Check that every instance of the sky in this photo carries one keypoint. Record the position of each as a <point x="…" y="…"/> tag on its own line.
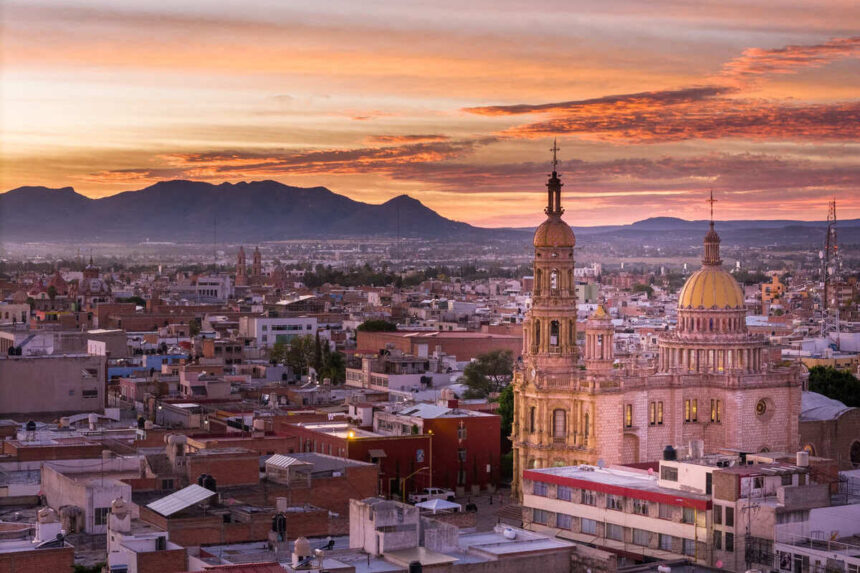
<point x="457" y="104"/>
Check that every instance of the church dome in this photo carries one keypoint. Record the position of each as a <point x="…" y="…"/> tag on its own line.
<point x="711" y="287"/>
<point x="554" y="233"/>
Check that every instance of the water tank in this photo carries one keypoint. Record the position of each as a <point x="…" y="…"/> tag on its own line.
<point x="200" y="479"/>
<point x="119" y="507"/>
<point x="669" y="453"/>
<point x="279" y="524"/>
<point x="31" y="426"/>
<point x="415" y="567"/>
<point x="260" y="425"/>
<point x="302" y="548"/>
<point x="209" y="483"/>
<point x="148" y="425"/>
<point x="803" y="458"/>
<point x="47" y="515"/>
<point x="509" y="533"/>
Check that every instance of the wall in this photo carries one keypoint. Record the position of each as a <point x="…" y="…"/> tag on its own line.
<point x="59" y="559"/>
<point x="52" y="383"/>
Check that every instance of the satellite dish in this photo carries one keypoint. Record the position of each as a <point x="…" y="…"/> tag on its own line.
<point x="601" y="463"/>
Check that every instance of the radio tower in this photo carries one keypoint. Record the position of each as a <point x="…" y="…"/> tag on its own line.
<point x="831" y="271"/>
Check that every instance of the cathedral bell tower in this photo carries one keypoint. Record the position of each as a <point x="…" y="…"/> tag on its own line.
<point x="549" y="338"/>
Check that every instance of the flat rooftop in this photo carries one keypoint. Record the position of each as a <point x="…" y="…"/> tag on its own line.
<point x="617" y="482"/>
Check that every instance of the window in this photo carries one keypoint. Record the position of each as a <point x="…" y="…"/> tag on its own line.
<point x="730" y="517"/>
<point x="589" y="497"/>
<point x="615" y="502"/>
<point x="564" y="493"/>
<point x="461" y="454"/>
<point x="461" y="433"/>
<point x="786" y="479"/>
<point x="652" y="414"/>
<point x="713" y="410"/>
<point x="640" y="506"/>
<point x="689" y="547"/>
<point x="563" y="521"/>
<point x="718" y="514"/>
<point x="90" y="393"/>
<point x="689" y="515"/>
<point x="532" y="419"/>
<point x="659" y="413"/>
<point x="540" y="516"/>
<point x="589" y="526"/>
<point x="615" y="532"/>
<point x="695" y="411"/>
<point x="559" y="423"/>
<point x="665" y="542"/>
<point x="668" y="473"/>
<point x="540" y="488"/>
<point x="687" y="416"/>
<point x="641" y="537"/>
<point x="718" y="539"/>
<point x="730" y="541"/>
<point x="101" y="515"/>
<point x="719" y="411"/>
<point x="665" y="511"/>
<point x="167" y="484"/>
<point x="628" y="416"/>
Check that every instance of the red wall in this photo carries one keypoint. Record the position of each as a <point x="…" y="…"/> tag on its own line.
<point x="482" y="445"/>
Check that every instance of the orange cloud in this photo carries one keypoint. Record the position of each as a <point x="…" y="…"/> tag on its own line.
<point x="405" y="138"/>
<point x="790" y="59"/>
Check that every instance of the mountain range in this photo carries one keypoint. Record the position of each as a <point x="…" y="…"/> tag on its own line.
<point x="192" y="211"/>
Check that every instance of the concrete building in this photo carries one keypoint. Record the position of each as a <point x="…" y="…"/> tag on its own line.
<point x="136" y="547"/>
<point x="90" y="485"/>
<point x="52" y="383"/>
<point x="46" y="551"/>
<point x="217" y="287"/>
<point x="270" y="331"/>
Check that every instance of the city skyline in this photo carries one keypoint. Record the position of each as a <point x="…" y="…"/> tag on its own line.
<point x="653" y="105"/>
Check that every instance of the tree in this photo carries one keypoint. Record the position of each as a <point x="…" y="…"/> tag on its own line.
<point x="377" y="325"/>
<point x="488" y="373"/>
<point x="835" y="384"/>
<point x="318" y="355"/>
<point x="506" y="410"/>
<point x="194" y="326"/>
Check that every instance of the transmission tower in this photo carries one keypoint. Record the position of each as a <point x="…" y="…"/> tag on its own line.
<point x="831" y="271"/>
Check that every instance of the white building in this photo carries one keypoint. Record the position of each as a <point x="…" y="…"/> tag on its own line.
<point x="269" y="331"/>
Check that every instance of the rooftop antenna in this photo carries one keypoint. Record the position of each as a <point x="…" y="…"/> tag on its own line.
<point x="831" y="270"/>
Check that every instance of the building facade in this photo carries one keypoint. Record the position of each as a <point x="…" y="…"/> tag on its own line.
<point x="711" y="379"/>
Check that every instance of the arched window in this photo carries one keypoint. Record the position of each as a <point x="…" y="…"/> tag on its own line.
<point x="537" y="333"/>
<point x="538" y="278"/>
<point x="711" y="324"/>
<point x="559" y="423"/>
<point x="855" y="454"/>
<point x="532" y="419"/>
<point x="570" y="330"/>
<point x="587" y="432"/>
<point x="553" y="333"/>
<point x="553" y="280"/>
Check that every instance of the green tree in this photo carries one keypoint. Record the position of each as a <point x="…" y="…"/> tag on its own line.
<point x="836" y="384"/>
<point x="488" y="373"/>
<point x="194" y="326"/>
<point x="377" y="325"/>
<point x="506" y="410"/>
<point x="644" y="288"/>
<point x="318" y="354"/>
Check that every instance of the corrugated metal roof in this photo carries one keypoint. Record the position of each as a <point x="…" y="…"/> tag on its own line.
<point x="182" y="499"/>
<point x="284" y="462"/>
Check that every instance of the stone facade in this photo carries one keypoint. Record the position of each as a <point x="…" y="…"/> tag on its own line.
<point x="712" y="380"/>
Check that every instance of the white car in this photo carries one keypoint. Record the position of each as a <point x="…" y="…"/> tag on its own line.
<point x="431" y="493"/>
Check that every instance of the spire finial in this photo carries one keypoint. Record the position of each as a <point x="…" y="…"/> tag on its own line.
<point x="711" y="200"/>
<point x="554" y="150"/>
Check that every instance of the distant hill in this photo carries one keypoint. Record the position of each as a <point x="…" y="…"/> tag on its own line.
<point x="192" y="211"/>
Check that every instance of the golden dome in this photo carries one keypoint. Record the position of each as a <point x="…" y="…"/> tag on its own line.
<point x="711" y="287"/>
<point x="554" y="233"/>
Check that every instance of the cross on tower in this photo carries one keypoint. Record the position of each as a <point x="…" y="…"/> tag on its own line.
<point x="711" y="200"/>
<point x="554" y="150"/>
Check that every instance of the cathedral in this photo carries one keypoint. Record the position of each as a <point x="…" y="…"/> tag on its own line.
<point x="712" y="382"/>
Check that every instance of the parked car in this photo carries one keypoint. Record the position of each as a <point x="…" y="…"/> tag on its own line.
<point x="431" y="493"/>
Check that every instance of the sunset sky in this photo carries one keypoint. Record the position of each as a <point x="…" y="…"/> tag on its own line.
<point x="454" y="103"/>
